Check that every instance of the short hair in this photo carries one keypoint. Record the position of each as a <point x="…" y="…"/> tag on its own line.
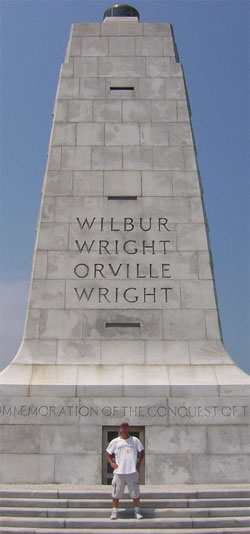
<point x="124" y="423"/>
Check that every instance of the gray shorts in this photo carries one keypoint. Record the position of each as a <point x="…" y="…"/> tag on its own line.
<point x="119" y="482"/>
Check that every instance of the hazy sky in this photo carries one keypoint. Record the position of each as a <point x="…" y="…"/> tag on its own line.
<point x="213" y="43"/>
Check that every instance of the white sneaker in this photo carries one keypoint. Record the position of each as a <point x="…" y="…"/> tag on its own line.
<point x="114" y="513"/>
<point x="138" y="515"/>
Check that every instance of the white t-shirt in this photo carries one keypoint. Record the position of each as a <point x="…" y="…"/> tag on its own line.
<point x="125" y="454"/>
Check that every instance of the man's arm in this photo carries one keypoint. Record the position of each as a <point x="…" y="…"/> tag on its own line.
<point x="141" y="456"/>
<point x="113" y="464"/>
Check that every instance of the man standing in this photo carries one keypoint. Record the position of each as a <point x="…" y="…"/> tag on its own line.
<point x="126" y="465"/>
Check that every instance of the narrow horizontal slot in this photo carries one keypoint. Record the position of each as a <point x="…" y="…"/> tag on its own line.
<point x="114" y="197"/>
<point x="122" y="325"/>
<point x="122" y="88"/>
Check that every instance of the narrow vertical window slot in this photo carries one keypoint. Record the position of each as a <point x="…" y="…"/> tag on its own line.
<point x="122" y="325"/>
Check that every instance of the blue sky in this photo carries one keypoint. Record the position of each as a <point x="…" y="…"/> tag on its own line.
<point x="213" y="43"/>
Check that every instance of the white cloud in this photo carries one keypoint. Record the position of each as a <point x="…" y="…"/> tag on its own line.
<point x="13" y="306"/>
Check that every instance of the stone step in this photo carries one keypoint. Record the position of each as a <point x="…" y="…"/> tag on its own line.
<point x="178" y="511"/>
<point x="105" y="494"/>
<point x="150" y="503"/>
<point x="26" y="530"/>
<point x="152" y="523"/>
<point x="124" y="513"/>
<point x="126" y="503"/>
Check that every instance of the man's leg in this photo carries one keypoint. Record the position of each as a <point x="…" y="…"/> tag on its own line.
<point x="134" y="492"/>
<point x="118" y="484"/>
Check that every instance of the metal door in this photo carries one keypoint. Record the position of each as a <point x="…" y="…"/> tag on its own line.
<point x="112" y="432"/>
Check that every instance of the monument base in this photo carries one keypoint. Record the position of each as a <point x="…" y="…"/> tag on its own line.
<point x="195" y="433"/>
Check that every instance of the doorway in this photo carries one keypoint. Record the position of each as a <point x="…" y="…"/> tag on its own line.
<point x="112" y="432"/>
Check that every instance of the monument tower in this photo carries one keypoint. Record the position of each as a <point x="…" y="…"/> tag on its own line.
<point x="122" y="319"/>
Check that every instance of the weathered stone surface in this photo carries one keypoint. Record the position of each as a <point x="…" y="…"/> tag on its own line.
<point x="205" y="265"/>
<point x="167" y="352"/>
<point x="94" y="46"/>
<point x="168" y="46"/>
<point x="149" y="46"/>
<point x="31" y="329"/>
<point x="122" y="134"/>
<point x="59" y="183"/>
<point x="107" y="111"/>
<point x="197" y="294"/>
<point x="107" y="158"/>
<point x="40" y="264"/>
<point x="151" y="88"/>
<point x="86" y="28"/>
<point x="73" y="439"/>
<point x="79" y="352"/>
<point x="158" y="67"/>
<point x="182" y="111"/>
<point x="121" y="28"/>
<point x="121" y="183"/>
<point x="184" y="324"/>
<point x="78" y="469"/>
<point x="61" y="324"/>
<point x="53" y="236"/>
<point x="136" y="111"/>
<point x="137" y="158"/>
<point x="176" y="469"/>
<point x="54" y="158"/>
<point x="64" y="134"/>
<point x="69" y="88"/>
<point x="67" y="69"/>
<point x="28" y="468"/>
<point x="75" y="46"/>
<point x="176" y="440"/>
<point x="20" y="439"/>
<point x="174" y="88"/>
<point x="18" y="376"/>
<point x="235" y="439"/>
<point x="60" y="111"/>
<point x="191" y="237"/>
<point x="154" y="134"/>
<point x="92" y="88"/>
<point x="89" y="133"/>
<point x="232" y="380"/>
<point x="185" y="183"/>
<point x="47" y="294"/>
<point x="88" y="183"/>
<point x="213" y="468"/>
<point x="189" y="158"/>
<point x="79" y="110"/>
<point x="197" y="376"/>
<point x="169" y="158"/>
<point x="103" y="375"/>
<point x="47" y="209"/>
<point x="86" y="67"/>
<point x="117" y="352"/>
<point x="212" y="325"/>
<point x="76" y="158"/>
<point x="61" y="378"/>
<point x="208" y="352"/>
<point x="122" y="46"/>
<point x="122" y="66"/>
<point x="159" y="28"/>
<point x="164" y="111"/>
<point x="37" y="351"/>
